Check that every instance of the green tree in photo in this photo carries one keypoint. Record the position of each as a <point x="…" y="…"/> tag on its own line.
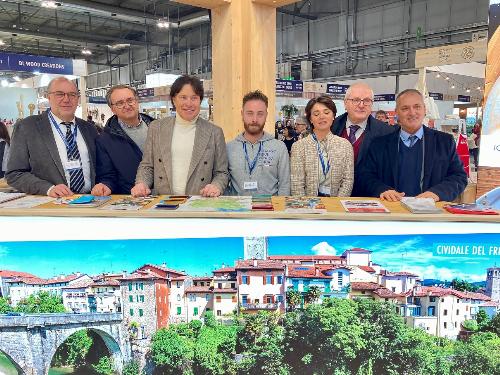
<point x="131" y="368"/>
<point x="260" y="341"/>
<point x="209" y="319"/>
<point x="479" y="355"/>
<point x="293" y="299"/>
<point x="332" y="328"/>
<point x="74" y="350"/>
<point x="463" y="285"/>
<point x="214" y="351"/>
<point x="494" y="325"/>
<point x="42" y="302"/>
<point x="172" y="351"/>
<point x="313" y="294"/>
<point x="105" y="366"/>
<point x="4" y="306"/>
<point x="482" y="320"/>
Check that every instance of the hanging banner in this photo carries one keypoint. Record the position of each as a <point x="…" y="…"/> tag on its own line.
<point x="289" y="86"/>
<point x="31" y="63"/>
<point x="384" y="98"/>
<point x="333" y="88"/>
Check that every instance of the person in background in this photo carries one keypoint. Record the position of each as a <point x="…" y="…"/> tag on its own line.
<point x="119" y="148"/>
<point x="53" y="153"/>
<point x="258" y="163"/>
<point x="359" y="127"/>
<point x="301" y="128"/>
<point x="91" y="121"/>
<point x="414" y="161"/>
<point x="289" y="138"/>
<point x="473" y="149"/>
<point x="322" y="164"/>
<point x="478" y="126"/>
<point x="4" y="148"/>
<point x="184" y="154"/>
<point x="381" y="115"/>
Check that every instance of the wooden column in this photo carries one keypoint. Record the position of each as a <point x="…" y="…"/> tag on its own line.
<point x="243" y="56"/>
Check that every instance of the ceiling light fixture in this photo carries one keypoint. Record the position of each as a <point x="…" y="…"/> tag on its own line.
<point x="468" y="90"/>
<point x="86" y="51"/>
<point x="16" y="78"/>
<point x="438" y="75"/>
<point x="452" y="86"/>
<point x="49" y="4"/>
<point x="447" y="78"/>
<point x="163" y="24"/>
<point x="2" y="43"/>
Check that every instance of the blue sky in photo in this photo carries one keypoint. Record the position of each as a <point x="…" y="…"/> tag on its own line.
<point x="414" y="253"/>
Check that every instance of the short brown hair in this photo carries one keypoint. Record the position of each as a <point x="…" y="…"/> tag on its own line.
<point x="255" y="95"/>
<point x="322" y="99"/>
<point x="185" y="79"/>
<point x="409" y="91"/>
<point x="118" y="87"/>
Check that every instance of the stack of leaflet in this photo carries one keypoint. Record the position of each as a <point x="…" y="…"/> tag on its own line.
<point x="262" y="202"/>
<point x="420" y="205"/>
<point x="470" y="209"/>
<point x="304" y="205"/>
<point x="129" y="203"/>
<point x="369" y="206"/>
<point x="88" y="201"/>
<point x="172" y="202"/>
<point x="5" y="197"/>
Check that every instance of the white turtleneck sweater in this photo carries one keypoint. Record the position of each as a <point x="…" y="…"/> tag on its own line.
<point x="182" y="150"/>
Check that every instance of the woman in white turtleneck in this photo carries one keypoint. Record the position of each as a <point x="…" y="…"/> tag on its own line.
<point x="185" y="154"/>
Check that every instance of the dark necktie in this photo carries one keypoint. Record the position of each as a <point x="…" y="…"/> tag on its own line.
<point x="412" y="139"/>
<point x="76" y="180"/>
<point x="352" y="133"/>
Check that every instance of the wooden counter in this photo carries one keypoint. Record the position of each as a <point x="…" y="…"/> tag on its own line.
<point x="333" y="206"/>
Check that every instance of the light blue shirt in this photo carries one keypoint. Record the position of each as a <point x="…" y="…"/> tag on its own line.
<point x="405" y="136"/>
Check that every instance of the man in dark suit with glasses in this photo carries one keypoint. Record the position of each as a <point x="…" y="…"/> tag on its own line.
<point x="53" y="153"/>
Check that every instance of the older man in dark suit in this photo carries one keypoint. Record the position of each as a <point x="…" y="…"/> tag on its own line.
<point x="54" y="153"/>
<point x="359" y="127"/>
<point x="415" y="160"/>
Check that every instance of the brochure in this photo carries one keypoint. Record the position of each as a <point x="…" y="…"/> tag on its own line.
<point x="304" y="205"/>
<point x="364" y="206"/>
<point x="420" y="205"/>
<point x="27" y="202"/>
<point x="470" y="209"/>
<point x="5" y="197"/>
<point x="88" y="201"/>
<point x="129" y="203"/>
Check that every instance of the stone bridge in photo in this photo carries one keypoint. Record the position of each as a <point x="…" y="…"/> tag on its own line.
<point x="30" y="341"/>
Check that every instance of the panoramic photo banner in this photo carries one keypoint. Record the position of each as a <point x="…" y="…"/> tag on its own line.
<point x="373" y="304"/>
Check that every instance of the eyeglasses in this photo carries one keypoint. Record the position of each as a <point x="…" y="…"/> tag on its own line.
<point x="120" y="104"/>
<point x="358" y="101"/>
<point x="60" y="95"/>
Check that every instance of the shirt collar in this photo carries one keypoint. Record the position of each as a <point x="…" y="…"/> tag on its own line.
<point x="362" y="124"/>
<point x="59" y="121"/>
<point x="405" y="135"/>
<point x="125" y="126"/>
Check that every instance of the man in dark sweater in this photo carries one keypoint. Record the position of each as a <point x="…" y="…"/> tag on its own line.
<point x="119" y="148"/>
<point x="415" y="160"/>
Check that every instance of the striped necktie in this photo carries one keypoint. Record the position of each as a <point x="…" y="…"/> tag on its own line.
<point x="352" y="133"/>
<point x="413" y="139"/>
<point x="76" y="179"/>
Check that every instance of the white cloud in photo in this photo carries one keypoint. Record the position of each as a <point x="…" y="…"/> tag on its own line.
<point x="324" y="248"/>
<point x="443" y="274"/>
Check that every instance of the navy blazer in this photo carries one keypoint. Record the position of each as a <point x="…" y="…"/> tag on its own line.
<point x="118" y="157"/>
<point x="444" y="172"/>
<point x="374" y="129"/>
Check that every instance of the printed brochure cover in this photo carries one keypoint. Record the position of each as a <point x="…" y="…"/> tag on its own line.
<point x="373" y="304"/>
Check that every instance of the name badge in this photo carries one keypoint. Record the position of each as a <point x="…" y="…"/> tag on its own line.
<point x="250" y="185"/>
<point x="72" y="164"/>
<point x="324" y="190"/>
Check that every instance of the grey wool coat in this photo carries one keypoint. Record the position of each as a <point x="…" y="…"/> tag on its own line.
<point x="208" y="161"/>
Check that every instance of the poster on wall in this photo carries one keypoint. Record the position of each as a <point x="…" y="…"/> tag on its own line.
<point x="359" y="304"/>
<point x="490" y="135"/>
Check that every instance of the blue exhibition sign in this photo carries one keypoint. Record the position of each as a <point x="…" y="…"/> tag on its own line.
<point x="463" y="98"/>
<point x="31" y="63"/>
<point x="384" y="98"/>
<point x="289" y="86"/>
<point x="144" y="93"/>
<point x="436" y="95"/>
<point x="333" y="88"/>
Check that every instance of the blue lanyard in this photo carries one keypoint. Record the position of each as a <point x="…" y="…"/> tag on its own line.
<point x="325" y="168"/>
<point x="63" y="137"/>
<point x="251" y="165"/>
